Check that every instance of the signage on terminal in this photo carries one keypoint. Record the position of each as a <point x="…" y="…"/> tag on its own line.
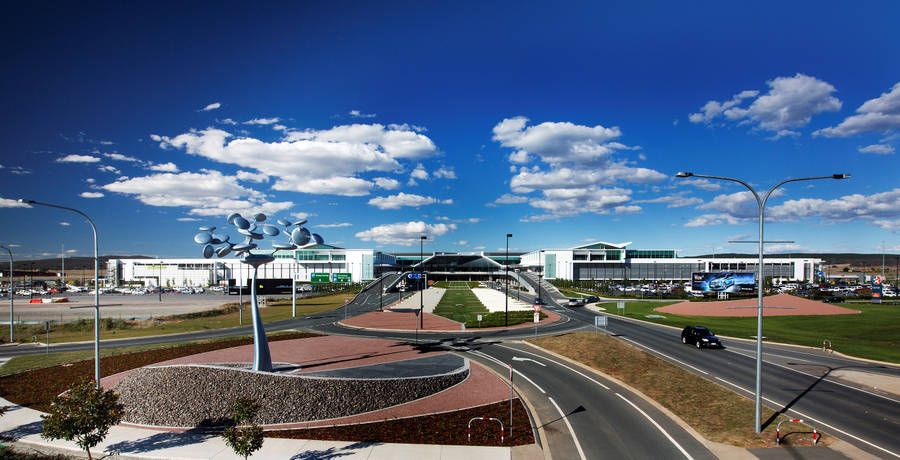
<point x="340" y="277"/>
<point x="319" y="278"/>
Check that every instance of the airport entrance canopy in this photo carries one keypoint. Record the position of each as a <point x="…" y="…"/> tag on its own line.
<point x="458" y="263"/>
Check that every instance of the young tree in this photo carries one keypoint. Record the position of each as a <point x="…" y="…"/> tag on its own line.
<point x="244" y="441"/>
<point x="83" y="413"/>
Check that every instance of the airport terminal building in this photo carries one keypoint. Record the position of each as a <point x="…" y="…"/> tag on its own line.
<point x="325" y="263"/>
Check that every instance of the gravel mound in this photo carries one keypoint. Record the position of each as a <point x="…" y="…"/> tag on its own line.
<point x="190" y="396"/>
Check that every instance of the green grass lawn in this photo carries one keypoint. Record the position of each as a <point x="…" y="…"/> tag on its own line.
<point x="227" y="317"/>
<point x="873" y="334"/>
<point x="462" y="305"/>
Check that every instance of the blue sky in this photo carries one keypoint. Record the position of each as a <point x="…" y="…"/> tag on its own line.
<point x="463" y="121"/>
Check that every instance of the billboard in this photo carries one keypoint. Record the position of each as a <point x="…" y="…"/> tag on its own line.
<point x="877" y="289"/>
<point x="723" y="282"/>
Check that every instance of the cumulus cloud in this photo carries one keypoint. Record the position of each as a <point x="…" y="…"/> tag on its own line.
<point x="404" y="233"/>
<point x="676" y="200"/>
<point x="165" y="167"/>
<point x="706" y="220"/>
<point x="358" y="114"/>
<point x="878" y="149"/>
<point x="405" y="199"/>
<point x="210" y="107"/>
<point x="893" y="225"/>
<point x="91" y="195"/>
<point x="630" y="209"/>
<point x="109" y="169"/>
<point x="790" y="103"/>
<point x="201" y="192"/>
<point x="319" y="162"/>
<point x="252" y="177"/>
<point x="342" y="224"/>
<point x="263" y="121"/>
<point x="580" y="171"/>
<point x="78" y="159"/>
<point x="419" y="173"/>
<point x="188" y="219"/>
<point x="120" y="157"/>
<point x="19" y="171"/>
<point x="702" y="184"/>
<point x="64" y="224"/>
<point x="879" y="114"/>
<point x="445" y="173"/>
<point x="10" y="203"/>
<point x="386" y="183"/>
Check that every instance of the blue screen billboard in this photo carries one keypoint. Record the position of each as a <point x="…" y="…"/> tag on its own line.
<point x="723" y="282"/>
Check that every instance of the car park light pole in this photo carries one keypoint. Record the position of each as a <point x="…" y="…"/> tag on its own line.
<point x="506" y="265"/>
<point x="11" y="293"/>
<point x="96" y="285"/>
<point x="419" y="282"/>
<point x="759" y="277"/>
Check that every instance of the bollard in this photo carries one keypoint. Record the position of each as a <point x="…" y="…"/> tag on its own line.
<point x="816" y="435"/>
<point x="469" y="427"/>
<point x="826" y="346"/>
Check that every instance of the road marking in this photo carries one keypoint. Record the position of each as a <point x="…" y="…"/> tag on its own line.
<point x="501" y="363"/>
<point x="663" y="431"/>
<point x="571" y="431"/>
<point x="753" y="356"/>
<point x="516" y="358"/>
<point x="776" y="403"/>
<point x="558" y="364"/>
<point x="667" y="356"/>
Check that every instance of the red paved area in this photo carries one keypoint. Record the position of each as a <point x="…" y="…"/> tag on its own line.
<point x="333" y="352"/>
<point x="405" y="321"/>
<point x="799" y="306"/>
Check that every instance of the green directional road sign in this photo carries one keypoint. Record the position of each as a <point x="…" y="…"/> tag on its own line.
<point x="340" y="277"/>
<point x="319" y="278"/>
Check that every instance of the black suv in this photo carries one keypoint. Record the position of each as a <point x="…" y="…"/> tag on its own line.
<point x="833" y="299"/>
<point x="700" y="336"/>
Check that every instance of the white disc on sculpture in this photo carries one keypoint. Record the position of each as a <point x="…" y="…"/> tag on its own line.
<point x="243" y="247"/>
<point x="300" y="236"/>
<point x="208" y="251"/>
<point x="256" y="236"/>
<point x="202" y="238"/>
<point x="282" y="245"/>
<point x="270" y="230"/>
<point x="231" y="217"/>
<point x="223" y="251"/>
<point x="260" y="217"/>
<point x="244" y="231"/>
<point x="240" y="222"/>
<point x="300" y="222"/>
<point x="318" y="238"/>
<point x="206" y="229"/>
<point x="284" y="223"/>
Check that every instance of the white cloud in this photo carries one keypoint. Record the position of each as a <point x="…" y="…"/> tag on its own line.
<point x="703" y="184"/>
<point x="319" y="162"/>
<point x="91" y="195"/>
<point x="879" y="114"/>
<point x="507" y="198"/>
<point x="405" y="199"/>
<point x="120" y="157"/>
<point x="19" y="171"/>
<point x="188" y="219"/>
<point x="419" y="173"/>
<point x="109" y="169"/>
<point x="210" y="107"/>
<point x="78" y="159"/>
<point x="165" y="167"/>
<point x="252" y="177"/>
<point x="262" y="121"/>
<point x="90" y="180"/>
<point x="10" y="203"/>
<point x="209" y="193"/>
<point x="64" y="224"/>
<point x="358" y="114"/>
<point x="556" y="142"/>
<point x="404" y="233"/>
<point x="739" y="204"/>
<point x="677" y="200"/>
<point x="631" y="209"/>
<point x="461" y="243"/>
<point x="71" y="251"/>
<point x="785" y="248"/>
<point x="386" y="183"/>
<point x="342" y="224"/>
<point x="301" y="215"/>
<point x="878" y="149"/>
<point x="226" y="121"/>
<point x="443" y="172"/>
<point x="707" y="220"/>
<point x="790" y="103"/>
<point x="562" y="202"/>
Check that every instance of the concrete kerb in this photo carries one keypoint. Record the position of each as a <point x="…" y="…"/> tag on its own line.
<point x="719" y="449"/>
<point x="531" y="410"/>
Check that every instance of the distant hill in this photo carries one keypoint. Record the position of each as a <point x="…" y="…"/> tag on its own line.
<point x="852" y="259"/>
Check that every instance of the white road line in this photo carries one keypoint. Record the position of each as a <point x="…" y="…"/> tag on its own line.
<point x="667" y="356"/>
<point x="812" y="375"/>
<point x="571" y="431"/>
<point x="501" y="363"/>
<point x="558" y="364"/>
<point x="776" y="403"/>
<point x="664" y="432"/>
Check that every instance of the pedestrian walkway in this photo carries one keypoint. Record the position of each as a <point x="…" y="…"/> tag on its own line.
<point x="495" y="300"/>
<point x="429" y="299"/>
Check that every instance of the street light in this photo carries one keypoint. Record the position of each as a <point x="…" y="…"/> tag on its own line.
<point x="506" y="266"/>
<point x="759" y="286"/>
<point x="11" y="294"/>
<point x="96" y="285"/>
<point x="421" y="288"/>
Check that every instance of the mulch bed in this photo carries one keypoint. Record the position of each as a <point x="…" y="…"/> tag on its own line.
<point x="448" y="429"/>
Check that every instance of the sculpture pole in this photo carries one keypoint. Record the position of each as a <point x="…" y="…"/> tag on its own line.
<point x="262" y="359"/>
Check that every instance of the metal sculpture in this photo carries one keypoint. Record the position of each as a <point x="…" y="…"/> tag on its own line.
<point x="254" y="230"/>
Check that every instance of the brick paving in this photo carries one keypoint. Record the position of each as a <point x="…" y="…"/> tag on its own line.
<point x="405" y="321"/>
<point x="797" y="306"/>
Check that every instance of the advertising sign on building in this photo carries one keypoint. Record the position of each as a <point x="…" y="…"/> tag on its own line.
<point x="723" y="282"/>
<point x="877" y="289"/>
<point x="319" y="278"/>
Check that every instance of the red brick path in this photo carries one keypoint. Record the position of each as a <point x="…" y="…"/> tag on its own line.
<point x="800" y="306"/>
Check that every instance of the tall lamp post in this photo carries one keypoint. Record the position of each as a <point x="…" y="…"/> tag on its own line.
<point x="761" y="202"/>
<point x="11" y="293"/>
<point x="421" y="288"/>
<point x="506" y="266"/>
<point x="96" y="284"/>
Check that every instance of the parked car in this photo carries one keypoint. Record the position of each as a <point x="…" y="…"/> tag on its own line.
<point x="834" y="299"/>
<point x="699" y="336"/>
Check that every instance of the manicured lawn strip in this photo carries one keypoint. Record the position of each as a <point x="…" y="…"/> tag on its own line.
<point x="225" y="316"/>
<point x="498" y="318"/>
<point x="717" y="413"/>
<point x="872" y="334"/>
<point x="447" y="428"/>
<point x="463" y="305"/>
<point x="35" y="388"/>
